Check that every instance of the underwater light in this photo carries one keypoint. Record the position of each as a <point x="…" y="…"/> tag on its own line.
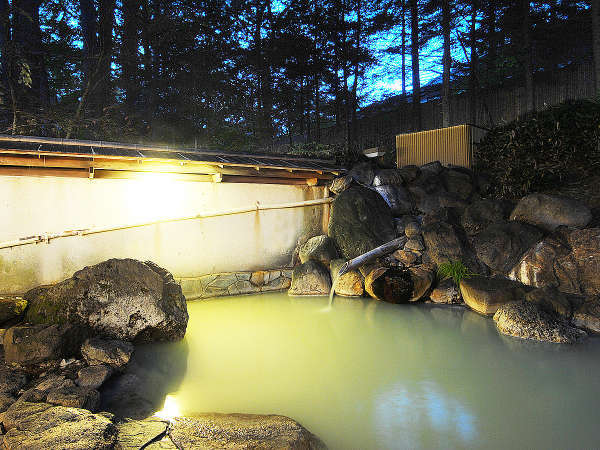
<point x="170" y="409"/>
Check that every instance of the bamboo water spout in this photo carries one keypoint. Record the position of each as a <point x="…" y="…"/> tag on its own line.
<point x="382" y="250"/>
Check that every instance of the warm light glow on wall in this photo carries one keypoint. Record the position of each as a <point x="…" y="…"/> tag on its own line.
<point x="170" y="409"/>
<point x="152" y="196"/>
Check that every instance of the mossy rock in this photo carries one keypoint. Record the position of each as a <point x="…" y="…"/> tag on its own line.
<point x="11" y="307"/>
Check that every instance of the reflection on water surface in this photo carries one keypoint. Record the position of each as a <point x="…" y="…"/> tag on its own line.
<point x="366" y="374"/>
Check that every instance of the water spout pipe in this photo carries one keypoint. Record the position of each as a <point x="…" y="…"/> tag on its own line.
<point x="382" y="250"/>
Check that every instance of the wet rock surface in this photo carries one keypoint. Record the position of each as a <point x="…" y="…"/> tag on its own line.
<point x="350" y="284"/>
<point x="527" y="320"/>
<point x="310" y="278"/>
<point x="486" y="294"/>
<point x="233" y="431"/>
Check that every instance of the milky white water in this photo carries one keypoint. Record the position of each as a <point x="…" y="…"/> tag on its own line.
<point x="366" y="374"/>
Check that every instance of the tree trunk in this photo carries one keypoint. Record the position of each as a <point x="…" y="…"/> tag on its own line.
<point x="596" y="40"/>
<point x="446" y="64"/>
<point x="27" y="33"/>
<point x="88" y="21"/>
<point x="527" y="55"/>
<point x="403" y="48"/>
<point x="414" y="52"/>
<point x="473" y="64"/>
<point x="104" y="92"/>
<point x="492" y="39"/>
<point x="356" y="75"/>
<point x="129" y="52"/>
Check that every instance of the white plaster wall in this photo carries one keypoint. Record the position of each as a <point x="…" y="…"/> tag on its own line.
<point x="32" y="206"/>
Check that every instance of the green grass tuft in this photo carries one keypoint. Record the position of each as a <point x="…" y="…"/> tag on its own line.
<point x="455" y="270"/>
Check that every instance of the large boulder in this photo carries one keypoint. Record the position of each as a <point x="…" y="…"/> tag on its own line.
<point x="93" y="376"/>
<point x="11" y="307"/>
<point x="360" y="221"/>
<point x="310" y="278"/>
<point x="486" y="294"/>
<point x="527" y="320"/>
<point x="119" y="298"/>
<point x="235" y="431"/>
<point x="549" y="212"/>
<point x="350" y="284"/>
<point x="319" y="248"/>
<point x="443" y="244"/>
<point x="501" y="245"/>
<point x="32" y="344"/>
<point x="569" y="262"/>
<point x="75" y="397"/>
<point x="340" y="184"/>
<point x="41" y="425"/>
<point x="481" y="213"/>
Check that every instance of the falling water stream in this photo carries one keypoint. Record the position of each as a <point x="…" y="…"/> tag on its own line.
<point x="370" y="375"/>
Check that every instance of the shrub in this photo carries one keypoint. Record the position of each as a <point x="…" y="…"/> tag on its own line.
<point x="542" y="150"/>
<point x="455" y="270"/>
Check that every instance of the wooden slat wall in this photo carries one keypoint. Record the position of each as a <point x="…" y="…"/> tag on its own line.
<point x="452" y="145"/>
<point x="491" y="108"/>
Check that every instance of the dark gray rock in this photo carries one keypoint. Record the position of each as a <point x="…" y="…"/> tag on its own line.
<point x="43" y="426"/>
<point x="548" y="212"/>
<point x="391" y="177"/>
<point x="397" y="198"/>
<point x="434" y="167"/>
<point x="458" y="183"/>
<point x="113" y="353"/>
<point x="363" y="173"/>
<point x="501" y="244"/>
<point x="551" y="300"/>
<point x="360" y="221"/>
<point x="119" y="298"/>
<point x="93" y="376"/>
<point x="310" y="278"/>
<point x="75" y="397"/>
<point x="11" y="380"/>
<point x="443" y="244"/>
<point x="234" y="431"/>
<point x="409" y="173"/>
<point x="587" y="316"/>
<point x="32" y="344"/>
<point x="482" y="213"/>
<point x="415" y="244"/>
<point x="319" y="248"/>
<point x="6" y="401"/>
<point x="527" y="320"/>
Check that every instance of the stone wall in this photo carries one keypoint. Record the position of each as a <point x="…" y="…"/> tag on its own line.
<point x="235" y="283"/>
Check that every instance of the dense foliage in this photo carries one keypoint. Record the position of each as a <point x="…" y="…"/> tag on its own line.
<point x="264" y="73"/>
<point x="543" y="151"/>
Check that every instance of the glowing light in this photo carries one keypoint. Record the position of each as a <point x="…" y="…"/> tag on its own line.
<point x="170" y="409"/>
